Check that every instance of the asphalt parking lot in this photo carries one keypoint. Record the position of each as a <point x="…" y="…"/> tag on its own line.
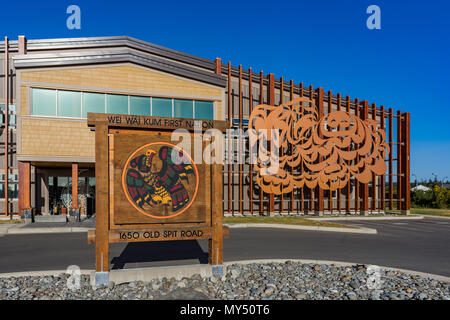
<point x="420" y="245"/>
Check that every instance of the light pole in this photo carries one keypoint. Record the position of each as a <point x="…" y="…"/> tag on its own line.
<point x="415" y="184"/>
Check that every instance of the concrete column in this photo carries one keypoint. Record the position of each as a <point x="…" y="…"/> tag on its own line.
<point x="75" y="186"/>
<point x="24" y="188"/>
<point x="74" y="211"/>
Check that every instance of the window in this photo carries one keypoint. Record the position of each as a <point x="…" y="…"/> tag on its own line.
<point x="13" y="190"/>
<point x="43" y="102"/>
<point x="116" y="103"/>
<point x="183" y="108"/>
<point x="161" y="107"/>
<point x="140" y="106"/>
<point x="204" y="110"/>
<point x="77" y="104"/>
<point x="12" y="115"/>
<point x="93" y="102"/>
<point x="13" y="187"/>
<point x="69" y="104"/>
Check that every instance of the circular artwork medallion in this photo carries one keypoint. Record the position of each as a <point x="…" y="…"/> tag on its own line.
<point x="160" y="180"/>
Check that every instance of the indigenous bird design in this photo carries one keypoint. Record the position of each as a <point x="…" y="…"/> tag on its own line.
<point x="162" y="187"/>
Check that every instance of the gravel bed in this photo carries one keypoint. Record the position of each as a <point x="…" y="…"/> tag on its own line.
<point x="290" y="280"/>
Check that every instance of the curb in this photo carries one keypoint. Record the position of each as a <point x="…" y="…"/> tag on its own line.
<point x="234" y="225"/>
<point x="44" y="230"/>
<point x="307" y="228"/>
<point x="129" y="275"/>
<point x="429" y="216"/>
<point x="148" y="274"/>
<point x="39" y="273"/>
<point x="342" y="264"/>
<point x="367" y="218"/>
<point x="178" y="272"/>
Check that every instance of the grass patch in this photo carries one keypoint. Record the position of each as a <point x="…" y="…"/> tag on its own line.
<point x="431" y="212"/>
<point x="285" y="220"/>
<point x="15" y="221"/>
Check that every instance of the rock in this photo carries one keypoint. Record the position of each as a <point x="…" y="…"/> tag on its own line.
<point x="351" y="295"/>
<point x="252" y="282"/>
<point x="235" y="273"/>
<point x="423" y="296"/>
<point x="269" y="291"/>
<point x="185" y="294"/>
<point x="155" y="286"/>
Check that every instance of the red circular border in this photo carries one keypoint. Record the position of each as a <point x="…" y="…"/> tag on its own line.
<point x="126" y="191"/>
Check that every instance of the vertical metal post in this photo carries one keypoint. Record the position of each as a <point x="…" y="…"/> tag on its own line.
<point x="406" y="164"/>
<point x="399" y="161"/>
<point x="291" y="147"/>
<point x="374" y="177"/>
<point x="365" y="186"/>
<point x="230" y="121"/>
<point x="383" y="178"/>
<point x="281" y="152"/>
<point x="330" y="193"/>
<point x="271" y="102"/>
<point x="320" y="116"/>
<point x="347" y="195"/>
<point x="357" y="201"/>
<point x="261" y="101"/>
<point x="339" y="101"/>
<point x="6" y="124"/>
<point x="391" y="159"/>
<point x="241" y="211"/>
<point x="311" y="191"/>
<point x="301" y="161"/>
<point x="250" y="108"/>
<point x="218" y="66"/>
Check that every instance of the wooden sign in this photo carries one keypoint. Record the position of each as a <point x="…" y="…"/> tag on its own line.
<point x="150" y="189"/>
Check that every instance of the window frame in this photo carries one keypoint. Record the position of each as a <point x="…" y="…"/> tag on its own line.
<point x="129" y="96"/>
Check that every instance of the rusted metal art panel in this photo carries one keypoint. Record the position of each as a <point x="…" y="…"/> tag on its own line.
<point x="311" y="140"/>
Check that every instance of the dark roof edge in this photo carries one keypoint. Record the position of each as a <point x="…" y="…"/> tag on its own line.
<point x="107" y="42"/>
<point x="117" y="56"/>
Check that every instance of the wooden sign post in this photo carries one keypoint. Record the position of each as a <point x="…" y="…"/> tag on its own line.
<point x="149" y="189"/>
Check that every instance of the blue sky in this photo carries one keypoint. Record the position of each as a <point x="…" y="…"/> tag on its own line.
<point x="405" y="65"/>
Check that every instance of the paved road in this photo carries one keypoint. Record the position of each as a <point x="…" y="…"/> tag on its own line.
<point x="421" y="245"/>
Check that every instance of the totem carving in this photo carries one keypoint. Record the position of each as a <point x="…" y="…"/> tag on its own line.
<point x="313" y="151"/>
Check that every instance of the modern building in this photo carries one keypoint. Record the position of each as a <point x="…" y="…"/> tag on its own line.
<point x="53" y="83"/>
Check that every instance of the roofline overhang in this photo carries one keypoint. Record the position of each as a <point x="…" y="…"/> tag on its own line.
<point x="109" y="42"/>
<point x="77" y="58"/>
